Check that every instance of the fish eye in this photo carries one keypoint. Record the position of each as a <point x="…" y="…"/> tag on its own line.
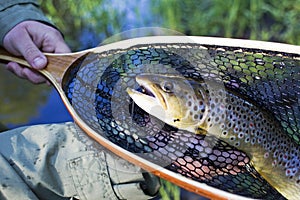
<point x="168" y="87"/>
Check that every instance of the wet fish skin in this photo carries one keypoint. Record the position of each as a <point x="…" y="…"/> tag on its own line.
<point x="193" y="106"/>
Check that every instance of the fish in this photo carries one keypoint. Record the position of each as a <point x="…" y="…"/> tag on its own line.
<point x="197" y="105"/>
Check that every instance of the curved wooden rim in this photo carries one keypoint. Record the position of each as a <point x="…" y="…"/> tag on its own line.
<point x="228" y="42"/>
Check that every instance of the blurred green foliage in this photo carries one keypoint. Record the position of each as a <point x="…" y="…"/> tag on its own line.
<point x="74" y="17"/>
<point x="169" y="191"/>
<point x="252" y="19"/>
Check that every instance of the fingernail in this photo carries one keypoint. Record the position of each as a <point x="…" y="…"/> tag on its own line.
<point x="39" y="63"/>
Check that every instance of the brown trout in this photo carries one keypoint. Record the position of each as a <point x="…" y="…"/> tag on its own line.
<point x="194" y="106"/>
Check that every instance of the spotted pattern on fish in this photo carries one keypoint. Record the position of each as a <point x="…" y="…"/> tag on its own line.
<point x="245" y="126"/>
<point x="235" y="119"/>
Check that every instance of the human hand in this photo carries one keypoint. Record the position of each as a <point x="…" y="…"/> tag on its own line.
<point x="28" y="39"/>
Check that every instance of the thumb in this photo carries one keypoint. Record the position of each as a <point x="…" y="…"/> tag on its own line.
<point x="20" y="41"/>
<point x="33" y="55"/>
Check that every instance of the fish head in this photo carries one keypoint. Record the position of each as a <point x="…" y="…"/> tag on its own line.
<point x="173" y="99"/>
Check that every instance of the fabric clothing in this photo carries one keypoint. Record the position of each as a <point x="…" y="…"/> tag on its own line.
<point x="59" y="161"/>
<point x="12" y="12"/>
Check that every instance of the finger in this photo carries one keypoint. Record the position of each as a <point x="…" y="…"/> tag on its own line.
<point x="15" y="68"/>
<point x="19" y="42"/>
<point x="61" y="47"/>
<point x="55" y="43"/>
<point x="33" y="76"/>
<point x="25" y="73"/>
<point x="51" y="41"/>
<point x="31" y="53"/>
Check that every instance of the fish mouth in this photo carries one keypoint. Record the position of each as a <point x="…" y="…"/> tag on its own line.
<point x="147" y="97"/>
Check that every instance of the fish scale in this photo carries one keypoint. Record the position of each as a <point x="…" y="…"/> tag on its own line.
<point x="138" y="132"/>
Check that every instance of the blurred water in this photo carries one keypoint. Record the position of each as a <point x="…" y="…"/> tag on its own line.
<point x="23" y="103"/>
<point x="53" y="111"/>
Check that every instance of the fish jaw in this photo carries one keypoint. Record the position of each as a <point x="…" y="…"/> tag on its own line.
<point x="155" y="102"/>
<point x="170" y="106"/>
<point x="149" y="104"/>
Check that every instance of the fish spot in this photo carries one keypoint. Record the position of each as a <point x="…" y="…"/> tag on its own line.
<point x="222" y="125"/>
<point x="247" y="139"/>
<point x="168" y="87"/>
<point x="258" y="125"/>
<point x="217" y="119"/>
<point x="288" y="172"/>
<point x="176" y="120"/>
<point x="195" y="108"/>
<point x="244" y="125"/>
<point x="241" y="135"/>
<point x="266" y="155"/>
<point x="236" y="129"/>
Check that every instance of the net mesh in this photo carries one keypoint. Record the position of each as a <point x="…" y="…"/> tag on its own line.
<point x="97" y="91"/>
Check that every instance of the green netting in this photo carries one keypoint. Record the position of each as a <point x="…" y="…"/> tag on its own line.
<point x="97" y="91"/>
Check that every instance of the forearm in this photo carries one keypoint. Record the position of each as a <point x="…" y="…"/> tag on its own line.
<point x="14" y="12"/>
